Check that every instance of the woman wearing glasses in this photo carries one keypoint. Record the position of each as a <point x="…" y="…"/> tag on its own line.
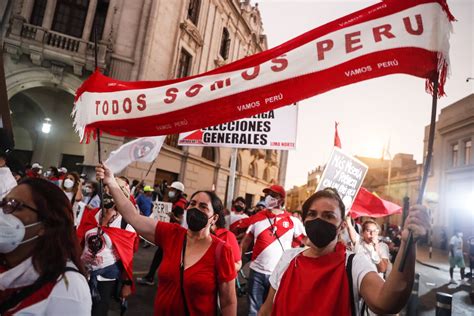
<point x="197" y="267"/>
<point x="40" y="268"/>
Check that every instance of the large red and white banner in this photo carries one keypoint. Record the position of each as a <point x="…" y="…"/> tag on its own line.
<point x="409" y="37"/>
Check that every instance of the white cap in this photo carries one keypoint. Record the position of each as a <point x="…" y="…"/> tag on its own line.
<point x="177" y="185"/>
<point x="62" y="170"/>
<point x="36" y="165"/>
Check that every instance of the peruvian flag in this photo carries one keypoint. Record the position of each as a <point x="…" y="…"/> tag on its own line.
<point x="369" y="204"/>
<point x="393" y="36"/>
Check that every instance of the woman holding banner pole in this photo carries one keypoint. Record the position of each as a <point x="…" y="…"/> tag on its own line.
<point x="197" y="267"/>
<point x="324" y="269"/>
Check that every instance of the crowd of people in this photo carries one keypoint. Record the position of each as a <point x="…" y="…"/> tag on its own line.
<point x="55" y="262"/>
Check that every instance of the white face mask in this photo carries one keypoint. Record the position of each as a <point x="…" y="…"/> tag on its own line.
<point x="460" y="235"/>
<point x="68" y="184"/>
<point x="171" y="194"/>
<point x="271" y="202"/>
<point x="12" y="232"/>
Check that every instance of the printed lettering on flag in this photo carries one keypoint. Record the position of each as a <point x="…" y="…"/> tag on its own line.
<point x="344" y="173"/>
<point x="142" y="149"/>
<point x="275" y="129"/>
<point x="393" y="36"/>
<point x="161" y="211"/>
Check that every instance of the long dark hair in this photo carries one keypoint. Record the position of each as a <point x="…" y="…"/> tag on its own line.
<point x="59" y="242"/>
<point x="216" y="205"/>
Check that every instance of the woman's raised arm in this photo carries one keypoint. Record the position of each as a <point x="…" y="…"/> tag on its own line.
<point x="144" y="226"/>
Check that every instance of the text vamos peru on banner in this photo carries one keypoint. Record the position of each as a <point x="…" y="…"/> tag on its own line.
<point x="409" y="37"/>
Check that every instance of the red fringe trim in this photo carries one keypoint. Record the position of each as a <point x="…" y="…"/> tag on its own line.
<point x="444" y="5"/>
<point x="441" y="79"/>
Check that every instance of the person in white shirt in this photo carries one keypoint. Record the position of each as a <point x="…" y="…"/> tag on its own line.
<point x="237" y="212"/>
<point x="369" y="245"/>
<point x="7" y="181"/>
<point x="273" y="231"/>
<point x="456" y="257"/>
<point x="40" y="268"/>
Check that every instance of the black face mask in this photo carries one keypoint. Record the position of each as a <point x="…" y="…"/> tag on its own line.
<point x="108" y="201"/>
<point x="196" y="219"/>
<point x="320" y="232"/>
<point x="238" y="208"/>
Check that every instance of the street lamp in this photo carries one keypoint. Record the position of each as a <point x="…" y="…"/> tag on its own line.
<point x="46" y="128"/>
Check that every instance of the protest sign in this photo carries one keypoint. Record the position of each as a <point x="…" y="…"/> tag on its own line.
<point x="389" y="37"/>
<point x="275" y="129"/>
<point x="161" y="210"/>
<point x="344" y="173"/>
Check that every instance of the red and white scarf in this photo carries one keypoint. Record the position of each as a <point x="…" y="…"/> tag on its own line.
<point x="393" y="36"/>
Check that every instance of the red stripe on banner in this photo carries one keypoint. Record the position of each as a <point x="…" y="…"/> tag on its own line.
<point x="418" y="62"/>
<point x="414" y="61"/>
<point x="36" y="297"/>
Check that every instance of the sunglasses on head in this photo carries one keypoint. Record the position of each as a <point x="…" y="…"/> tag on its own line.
<point x="11" y="205"/>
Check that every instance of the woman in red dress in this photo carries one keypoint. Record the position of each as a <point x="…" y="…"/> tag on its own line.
<point x="197" y="267"/>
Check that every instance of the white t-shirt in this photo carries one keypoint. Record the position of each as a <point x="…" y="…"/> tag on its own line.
<point x="7" y="181"/>
<point x="457" y="243"/>
<point x="107" y="255"/>
<point x="233" y="217"/>
<point x="368" y="250"/>
<point x="267" y="250"/>
<point x="70" y="296"/>
<point x="360" y="267"/>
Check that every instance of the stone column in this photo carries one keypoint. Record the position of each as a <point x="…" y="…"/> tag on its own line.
<point x="49" y="14"/>
<point x="27" y="9"/>
<point x="109" y="20"/>
<point x="89" y="24"/>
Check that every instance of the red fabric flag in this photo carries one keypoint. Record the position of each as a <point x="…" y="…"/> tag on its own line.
<point x="369" y="204"/>
<point x="393" y="36"/>
<point x="124" y="241"/>
<point x="337" y="140"/>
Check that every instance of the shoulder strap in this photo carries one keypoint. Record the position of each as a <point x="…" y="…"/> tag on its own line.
<point x="351" y="285"/>
<point x="274" y="231"/>
<point x="28" y="291"/>
<point x="181" y="277"/>
<point x="123" y="223"/>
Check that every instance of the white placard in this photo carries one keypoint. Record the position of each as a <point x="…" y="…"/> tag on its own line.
<point x="275" y="129"/>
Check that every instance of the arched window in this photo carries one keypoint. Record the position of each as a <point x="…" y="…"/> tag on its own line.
<point x="172" y="140"/>
<point x="184" y="64"/>
<point x="70" y="16"/>
<point x="266" y="174"/>
<point x="99" y="19"/>
<point x="225" y="44"/>
<point x="37" y="14"/>
<point x="209" y="153"/>
<point x="193" y="10"/>
<point x="253" y="169"/>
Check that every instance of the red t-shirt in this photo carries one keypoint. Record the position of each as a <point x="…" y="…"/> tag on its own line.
<point x="199" y="279"/>
<point x="229" y="238"/>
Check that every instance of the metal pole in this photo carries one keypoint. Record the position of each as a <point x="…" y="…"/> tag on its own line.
<point x="426" y="167"/>
<point x="231" y="184"/>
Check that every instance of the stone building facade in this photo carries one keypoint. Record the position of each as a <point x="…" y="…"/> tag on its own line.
<point x="49" y="50"/>
<point x="452" y="173"/>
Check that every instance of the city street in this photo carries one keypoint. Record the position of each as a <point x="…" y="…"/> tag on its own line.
<point x="431" y="281"/>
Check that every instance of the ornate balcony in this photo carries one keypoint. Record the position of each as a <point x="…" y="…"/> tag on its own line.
<point x="44" y="45"/>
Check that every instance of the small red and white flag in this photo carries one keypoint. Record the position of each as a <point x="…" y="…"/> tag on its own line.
<point x="393" y="36"/>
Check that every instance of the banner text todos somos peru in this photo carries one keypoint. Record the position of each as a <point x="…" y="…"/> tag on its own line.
<point x="393" y="36"/>
<point x="275" y="129"/>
